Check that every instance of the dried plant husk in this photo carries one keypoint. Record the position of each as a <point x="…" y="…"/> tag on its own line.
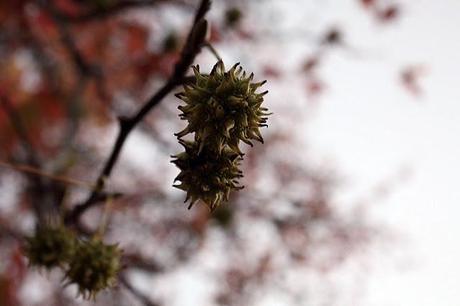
<point x="50" y="246"/>
<point x="94" y="267"/>
<point x="205" y="175"/>
<point x="223" y="108"/>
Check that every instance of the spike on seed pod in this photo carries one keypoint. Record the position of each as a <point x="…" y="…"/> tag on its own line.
<point x="205" y="175"/>
<point x="94" y="267"/>
<point x="230" y="96"/>
<point x="222" y="109"/>
<point x="50" y="246"/>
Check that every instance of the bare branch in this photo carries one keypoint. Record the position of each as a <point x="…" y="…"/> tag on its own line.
<point x="38" y="185"/>
<point x="84" y="68"/>
<point x="20" y="130"/>
<point x="136" y="261"/>
<point x="35" y="171"/>
<point x="192" y="47"/>
<point x="102" y="13"/>
<point x="214" y="52"/>
<point x="139" y="295"/>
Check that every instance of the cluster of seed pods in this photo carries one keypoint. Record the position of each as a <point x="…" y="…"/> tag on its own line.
<point x="91" y="264"/>
<point x="222" y="110"/>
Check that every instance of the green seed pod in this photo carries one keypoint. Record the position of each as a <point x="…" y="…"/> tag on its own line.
<point x="170" y="42"/>
<point x="50" y="246"/>
<point x="94" y="267"/>
<point x="223" y="108"/>
<point x="205" y="175"/>
<point x="233" y="17"/>
<point x="224" y="215"/>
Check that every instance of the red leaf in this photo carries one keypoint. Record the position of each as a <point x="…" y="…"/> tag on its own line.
<point x="214" y="34"/>
<point x="367" y="3"/>
<point x="271" y="72"/>
<point x="314" y="87"/>
<point x="136" y="41"/>
<point x="11" y="280"/>
<point x="388" y="14"/>
<point x="310" y="64"/>
<point x="410" y="78"/>
<point x="69" y="7"/>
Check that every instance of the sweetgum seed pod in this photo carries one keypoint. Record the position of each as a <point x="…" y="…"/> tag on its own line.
<point x="222" y="109"/>
<point x="222" y="97"/>
<point x="50" y="246"/>
<point x="94" y="267"/>
<point x="205" y="175"/>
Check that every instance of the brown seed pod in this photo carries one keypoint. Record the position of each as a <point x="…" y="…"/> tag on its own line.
<point x="50" y="246"/>
<point x="233" y="17"/>
<point x="94" y="267"/>
<point x="205" y="175"/>
<point x="223" y="108"/>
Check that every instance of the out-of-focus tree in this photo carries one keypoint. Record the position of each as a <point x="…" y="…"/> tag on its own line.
<point x="73" y="74"/>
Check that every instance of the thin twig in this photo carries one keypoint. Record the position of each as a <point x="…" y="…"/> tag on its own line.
<point x="101" y="13"/>
<point x="38" y="185"/>
<point x="139" y="295"/>
<point x="192" y="47"/>
<point x="213" y="51"/>
<point x="32" y="170"/>
<point x="137" y="262"/>
<point x="20" y="130"/>
<point x="83" y="67"/>
<point x="104" y="218"/>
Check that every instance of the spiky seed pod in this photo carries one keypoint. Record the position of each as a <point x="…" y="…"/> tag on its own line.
<point x="223" y="108"/>
<point x="170" y="42"/>
<point x="94" y="267"/>
<point x="50" y="246"/>
<point x="224" y="215"/>
<point x="233" y="16"/>
<point x="205" y="175"/>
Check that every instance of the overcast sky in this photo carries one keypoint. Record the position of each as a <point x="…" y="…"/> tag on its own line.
<point x="371" y="128"/>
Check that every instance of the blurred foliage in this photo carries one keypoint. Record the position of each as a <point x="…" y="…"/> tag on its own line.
<point x="69" y="67"/>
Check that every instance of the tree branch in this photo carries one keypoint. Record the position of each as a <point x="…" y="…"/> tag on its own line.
<point x="38" y="185"/>
<point x="139" y="295"/>
<point x="195" y="40"/>
<point x="83" y="67"/>
<point x="101" y="13"/>
<point x="20" y="130"/>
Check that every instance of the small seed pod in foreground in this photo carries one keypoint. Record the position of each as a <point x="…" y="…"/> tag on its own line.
<point x="94" y="267"/>
<point x="205" y="175"/>
<point x="50" y="246"/>
<point x="223" y="108"/>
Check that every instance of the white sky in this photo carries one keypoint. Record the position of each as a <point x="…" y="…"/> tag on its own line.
<point x="371" y="128"/>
